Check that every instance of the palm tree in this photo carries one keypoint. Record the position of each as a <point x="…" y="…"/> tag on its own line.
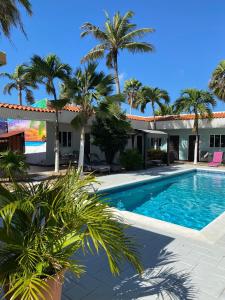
<point x="89" y="89"/>
<point x="20" y="82"/>
<point x="217" y="82"/>
<point x="10" y="15"/>
<point x="46" y="70"/>
<point x="154" y="96"/>
<point x="118" y="34"/>
<point x="199" y="103"/>
<point x="131" y="89"/>
<point x="166" y="110"/>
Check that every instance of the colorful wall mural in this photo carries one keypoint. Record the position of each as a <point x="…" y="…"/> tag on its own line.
<point x="34" y="130"/>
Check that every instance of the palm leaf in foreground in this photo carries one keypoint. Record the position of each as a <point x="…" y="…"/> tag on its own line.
<point x="59" y="219"/>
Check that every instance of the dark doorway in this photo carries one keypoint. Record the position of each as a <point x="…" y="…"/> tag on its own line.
<point x="191" y="147"/>
<point x="87" y="144"/>
<point x="174" y="145"/>
<point x="139" y="144"/>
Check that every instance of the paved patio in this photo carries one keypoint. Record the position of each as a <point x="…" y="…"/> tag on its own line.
<point x="175" y="267"/>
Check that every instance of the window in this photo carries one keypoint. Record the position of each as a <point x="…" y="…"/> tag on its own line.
<point x="212" y="140"/>
<point x="157" y="142"/>
<point x="222" y="140"/>
<point x="65" y="139"/>
<point x="217" y="140"/>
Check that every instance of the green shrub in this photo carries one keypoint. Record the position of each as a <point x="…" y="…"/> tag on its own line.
<point x="13" y="164"/>
<point x="131" y="160"/>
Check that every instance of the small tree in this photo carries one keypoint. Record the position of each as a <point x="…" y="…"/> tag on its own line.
<point x="89" y="89"/>
<point x="200" y="104"/>
<point x="118" y="34"/>
<point x="110" y="135"/>
<point x="166" y="110"/>
<point x="46" y="70"/>
<point x="20" y="81"/>
<point x="131" y="89"/>
<point x="152" y="96"/>
<point x="217" y="82"/>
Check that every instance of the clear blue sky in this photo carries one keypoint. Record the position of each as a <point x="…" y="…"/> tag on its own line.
<point x="189" y="40"/>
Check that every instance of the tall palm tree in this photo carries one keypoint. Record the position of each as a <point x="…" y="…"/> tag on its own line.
<point x="166" y="110"/>
<point x="10" y="15"/>
<point x="20" y="82"/>
<point x="46" y="70"/>
<point x="217" y="82"/>
<point x="118" y="34"/>
<point x="199" y="103"/>
<point x="131" y="89"/>
<point x="89" y="89"/>
<point x="152" y="96"/>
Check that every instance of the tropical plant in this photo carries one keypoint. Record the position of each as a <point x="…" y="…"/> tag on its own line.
<point x="199" y="103"/>
<point x="217" y="82"/>
<point x="166" y="110"/>
<point x="13" y="164"/>
<point x="118" y="34"/>
<point x="110" y="134"/>
<point x="10" y="15"/>
<point x="46" y="70"/>
<point x="44" y="225"/>
<point x="152" y="96"/>
<point x="20" y="81"/>
<point x="131" y="160"/>
<point x="87" y="89"/>
<point x="131" y="89"/>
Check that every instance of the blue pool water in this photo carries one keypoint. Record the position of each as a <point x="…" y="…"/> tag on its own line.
<point x="193" y="199"/>
<point x="33" y="143"/>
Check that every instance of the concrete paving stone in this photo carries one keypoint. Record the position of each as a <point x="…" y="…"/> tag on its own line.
<point x="209" y="284"/>
<point x="75" y="293"/>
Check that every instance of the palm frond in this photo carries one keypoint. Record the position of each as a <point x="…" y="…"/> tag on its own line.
<point x="135" y="47"/>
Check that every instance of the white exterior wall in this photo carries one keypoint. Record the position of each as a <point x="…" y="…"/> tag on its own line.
<point x="50" y="132"/>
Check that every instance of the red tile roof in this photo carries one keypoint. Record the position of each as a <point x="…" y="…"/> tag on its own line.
<point x="71" y="108"/>
<point x="216" y="115"/>
<point x="37" y="109"/>
<point x="10" y="133"/>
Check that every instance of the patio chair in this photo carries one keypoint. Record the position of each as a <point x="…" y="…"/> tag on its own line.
<point x="95" y="164"/>
<point x="217" y="159"/>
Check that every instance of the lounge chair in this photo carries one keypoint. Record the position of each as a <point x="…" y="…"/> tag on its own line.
<point x="217" y="159"/>
<point x="95" y="164"/>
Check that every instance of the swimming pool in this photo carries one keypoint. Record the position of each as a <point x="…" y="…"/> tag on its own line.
<point x="192" y="199"/>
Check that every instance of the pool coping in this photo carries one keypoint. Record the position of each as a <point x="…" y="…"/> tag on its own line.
<point x="210" y="233"/>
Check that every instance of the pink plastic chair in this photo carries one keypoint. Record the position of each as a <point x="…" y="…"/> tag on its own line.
<point x="217" y="159"/>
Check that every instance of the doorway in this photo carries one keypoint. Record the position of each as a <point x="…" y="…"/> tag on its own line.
<point x="174" y="145"/>
<point x="139" y="144"/>
<point x="191" y="147"/>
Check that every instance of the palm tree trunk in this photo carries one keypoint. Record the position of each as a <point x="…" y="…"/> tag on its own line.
<point x="115" y="65"/>
<point x="20" y="95"/>
<point x="81" y="154"/>
<point x="57" y="142"/>
<point x="131" y="104"/>
<point x="153" y="112"/>
<point x="196" y="141"/>
<point x="56" y="135"/>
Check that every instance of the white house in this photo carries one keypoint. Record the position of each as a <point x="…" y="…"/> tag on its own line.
<point x="178" y="128"/>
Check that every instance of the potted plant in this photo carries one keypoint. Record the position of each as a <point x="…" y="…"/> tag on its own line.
<point x="43" y="225"/>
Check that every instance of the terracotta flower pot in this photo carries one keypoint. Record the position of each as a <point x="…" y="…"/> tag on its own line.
<point x="55" y="287"/>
